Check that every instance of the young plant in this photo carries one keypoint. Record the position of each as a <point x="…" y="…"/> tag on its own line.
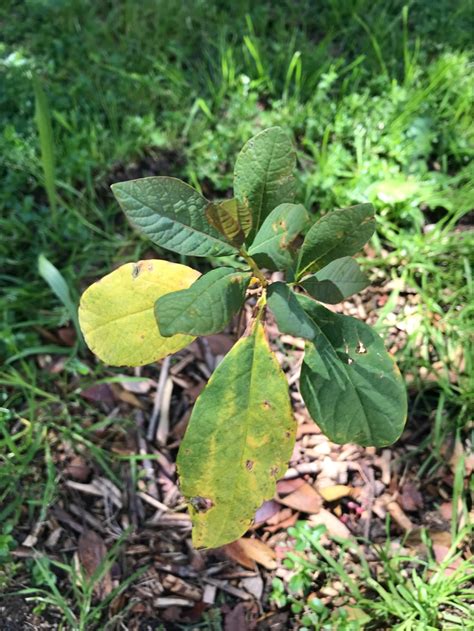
<point x="241" y="433"/>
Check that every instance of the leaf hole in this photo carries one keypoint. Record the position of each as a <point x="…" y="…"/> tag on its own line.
<point x="266" y="405"/>
<point x="361" y="350"/>
<point x="136" y="269"/>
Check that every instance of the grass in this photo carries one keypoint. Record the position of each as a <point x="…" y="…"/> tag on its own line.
<point x="378" y="98"/>
<point x="395" y="589"/>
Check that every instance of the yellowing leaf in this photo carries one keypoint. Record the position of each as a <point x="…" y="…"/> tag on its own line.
<point x="335" y="492"/>
<point x="239" y="440"/>
<point x="116" y="313"/>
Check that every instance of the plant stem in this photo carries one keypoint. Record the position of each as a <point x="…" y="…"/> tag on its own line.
<point x="254" y="267"/>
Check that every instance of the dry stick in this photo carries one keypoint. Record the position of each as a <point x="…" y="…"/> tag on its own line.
<point x="164" y="416"/>
<point x="208" y="357"/>
<point x="369" y="475"/>
<point x="152" y="487"/>
<point x="157" y="400"/>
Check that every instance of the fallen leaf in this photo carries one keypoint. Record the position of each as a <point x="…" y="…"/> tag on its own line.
<point x="410" y="498"/>
<point x="236" y="553"/>
<point x="266" y="510"/>
<point x="67" y="335"/>
<point x="92" y="551"/>
<point x="333" y="524"/>
<point x="335" y="492"/>
<point x="243" y="617"/>
<point x="305" y="499"/>
<point x="100" y="392"/>
<point x="288" y="486"/>
<point x="78" y="469"/>
<point x="246" y="552"/>
<point x="126" y="396"/>
<point x="289" y="521"/>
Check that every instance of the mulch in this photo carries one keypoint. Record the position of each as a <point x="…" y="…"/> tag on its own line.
<point x="138" y="506"/>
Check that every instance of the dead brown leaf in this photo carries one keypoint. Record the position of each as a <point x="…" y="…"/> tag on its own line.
<point x="332" y="523"/>
<point x="247" y="552"/>
<point x="78" y="469"/>
<point x="410" y="498"/>
<point x="266" y="510"/>
<point x="288" y="486"/>
<point x="243" y="617"/>
<point x="99" y="393"/>
<point x="92" y="551"/>
<point x="305" y="498"/>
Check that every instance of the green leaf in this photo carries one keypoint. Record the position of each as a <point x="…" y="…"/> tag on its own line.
<point x="277" y="240"/>
<point x="340" y="233"/>
<point x="116" y="313"/>
<point x="238" y="442"/>
<point x="350" y="384"/>
<point x="206" y="307"/>
<point x="263" y="175"/>
<point x="56" y="281"/>
<point x="338" y="280"/>
<point x="172" y="215"/>
<point x="231" y="218"/>
<point x="289" y="314"/>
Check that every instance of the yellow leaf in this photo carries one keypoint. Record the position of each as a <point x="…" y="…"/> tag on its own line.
<point x="335" y="492"/>
<point x="116" y="313"/>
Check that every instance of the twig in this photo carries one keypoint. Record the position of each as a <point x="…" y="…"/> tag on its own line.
<point x="369" y="475"/>
<point x="164" y="423"/>
<point x="158" y="398"/>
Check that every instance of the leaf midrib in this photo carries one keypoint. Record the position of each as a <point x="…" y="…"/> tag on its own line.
<point x="180" y="223"/>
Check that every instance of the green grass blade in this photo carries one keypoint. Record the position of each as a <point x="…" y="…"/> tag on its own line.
<point x="45" y="132"/>
<point x="56" y="281"/>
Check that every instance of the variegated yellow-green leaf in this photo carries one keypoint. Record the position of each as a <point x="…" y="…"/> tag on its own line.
<point x="116" y="313"/>
<point x="231" y="218"/>
<point x="239" y="440"/>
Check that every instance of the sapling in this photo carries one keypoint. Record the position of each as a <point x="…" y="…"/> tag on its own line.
<point x="241" y="433"/>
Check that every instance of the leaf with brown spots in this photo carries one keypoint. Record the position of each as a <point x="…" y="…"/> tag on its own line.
<point x="238" y="442"/>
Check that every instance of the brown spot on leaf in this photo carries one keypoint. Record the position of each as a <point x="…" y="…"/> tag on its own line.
<point x="249" y="465"/>
<point x="201" y="504"/>
<point x="274" y="471"/>
<point x="136" y="269"/>
<point x="266" y="405"/>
